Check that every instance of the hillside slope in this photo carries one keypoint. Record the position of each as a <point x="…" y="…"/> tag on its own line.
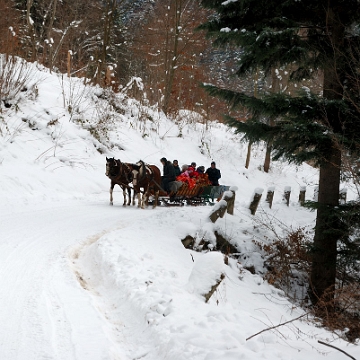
<point x="83" y="280"/>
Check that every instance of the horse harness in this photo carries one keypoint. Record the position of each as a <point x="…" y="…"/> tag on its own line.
<point x="140" y="172"/>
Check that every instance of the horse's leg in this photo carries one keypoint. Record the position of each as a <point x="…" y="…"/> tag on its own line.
<point x="129" y="194"/>
<point x="111" y="193"/>
<point x="134" y="196"/>
<point x="156" y="198"/>
<point x="145" y="202"/>
<point x="137" y="192"/>
<point x="124" y="194"/>
<point x="145" y="199"/>
<point x="139" y="199"/>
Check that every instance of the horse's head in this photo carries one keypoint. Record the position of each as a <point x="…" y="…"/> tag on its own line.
<point x="112" y="167"/>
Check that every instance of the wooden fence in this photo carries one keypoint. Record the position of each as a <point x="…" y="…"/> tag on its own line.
<point x="286" y="197"/>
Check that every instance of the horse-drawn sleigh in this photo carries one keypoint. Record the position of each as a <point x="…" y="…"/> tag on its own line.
<point x="145" y="180"/>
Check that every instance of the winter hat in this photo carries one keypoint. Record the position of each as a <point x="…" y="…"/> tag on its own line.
<point x="163" y="160"/>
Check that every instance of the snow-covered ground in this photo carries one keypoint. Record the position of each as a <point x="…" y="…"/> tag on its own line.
<point x="83" y="280"/>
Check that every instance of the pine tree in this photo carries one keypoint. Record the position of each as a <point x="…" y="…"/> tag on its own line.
<point x="317" y="39"/>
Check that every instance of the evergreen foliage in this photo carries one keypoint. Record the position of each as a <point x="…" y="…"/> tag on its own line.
<point x="313" y="39"/>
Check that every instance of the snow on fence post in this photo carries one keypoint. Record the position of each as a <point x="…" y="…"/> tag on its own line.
<point x="256" y="199"/>
<point x="207" y="274"/>
<point x="287" y="192"/>
<point x="218" y="210"/>
<point x="226" y="204"/>
<point x="270" y="196"/>
<point x="302" y="195"/>
<point x="342" y="196"/>
<point x="316" y="193"/>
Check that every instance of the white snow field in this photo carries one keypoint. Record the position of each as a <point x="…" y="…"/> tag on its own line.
<point x="83" y="280"/>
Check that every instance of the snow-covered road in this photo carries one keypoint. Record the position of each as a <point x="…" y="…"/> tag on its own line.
<point x="45" y="313"/>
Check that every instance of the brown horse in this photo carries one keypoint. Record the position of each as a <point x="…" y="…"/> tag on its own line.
<point x="147" y="177"/>
<point x="121" y="174"/>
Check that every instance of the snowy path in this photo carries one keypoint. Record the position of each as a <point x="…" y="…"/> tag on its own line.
<point x="45" y="313"/>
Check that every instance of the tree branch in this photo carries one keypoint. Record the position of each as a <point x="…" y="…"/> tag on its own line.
<point x="332" y="346"/>
<point x="276" y="326"/>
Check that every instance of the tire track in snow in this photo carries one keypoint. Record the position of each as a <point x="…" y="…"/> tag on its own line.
<point x="128" y="335"/>
<point x="45" y="314"/>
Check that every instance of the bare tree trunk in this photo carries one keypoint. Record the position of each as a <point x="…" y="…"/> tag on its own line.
<point x="275" y="88"/>
<point x="30" y="28"/>
<point x="170" y="70"/>
<point x="51" y="23"/>
<point x="323" y="270"/>
<point x="267" y="157"/>
<point x="248" y="155"/>
<point x="69" y="63"/>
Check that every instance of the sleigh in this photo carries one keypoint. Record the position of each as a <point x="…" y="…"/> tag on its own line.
<point x="200" y="194"/>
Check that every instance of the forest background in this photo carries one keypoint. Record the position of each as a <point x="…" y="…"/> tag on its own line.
<point x="111" y="41"/>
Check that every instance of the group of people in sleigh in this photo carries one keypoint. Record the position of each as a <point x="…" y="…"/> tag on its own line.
<point x="189" y="174"/>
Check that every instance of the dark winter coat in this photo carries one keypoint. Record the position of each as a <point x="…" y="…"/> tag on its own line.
<point x="177" y="170"/>
<point x="169" y="171"/>
<point x="214" y="175"/>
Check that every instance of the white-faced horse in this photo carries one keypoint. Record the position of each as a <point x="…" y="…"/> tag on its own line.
<point x="148" y="178"/>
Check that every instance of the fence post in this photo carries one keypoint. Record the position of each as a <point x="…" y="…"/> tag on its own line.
<point x="302" y="195"/>
<point x="270" y="196"/>
<point x="230" y="202"/>
<point x="226" y="204"/>
<point x="287" y="192"/>
<point x="254" y="204"/>
<point x="218" y="211"/>
<point x="342" y="196"/>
